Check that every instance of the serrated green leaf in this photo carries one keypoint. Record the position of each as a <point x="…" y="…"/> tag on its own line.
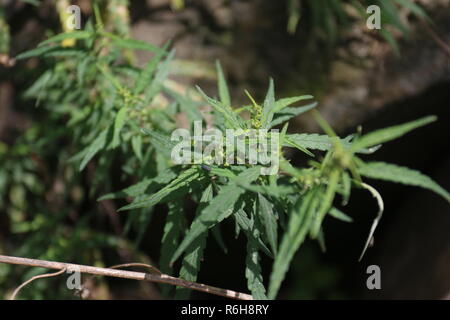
<point x="109" y="76"/>
<point x="224" y="94"/>
<point x="231" y="118"/>
<point x="391" y="133"/>
<point x="145" y="76"/>
<point x="136" y="144"/>
<point x="171" y="235"/>
<point x="76" y="35"/>
<point x="194" y="252"/>
<point x="65" y="52"/>
<point x="220" y="207"/>
<point x="183" y="180"/>
<point x="98" y="144"/>
<point x="162" y="72"/>
<point x="141" y="187"/>
<point x="285" y="102"/>
<point x="245" y="224"/>
<point x="186" y="104"/>
<point x="132" y="44"/>
<point x="268" y="106"/>
<point x="161" y="142"/>
<point x="300" y="219"/>
<point x="326" y="202"/>
<point x="289" y="113"/>
<point x="403" y="175"/>
<point x="119" y="122"/>
<point x="34" y="52"/>
<point x="253" y="268"/>
<point x="132" y="191"/>
<point x="320" y="142"/>
<point x="269" y="220"/>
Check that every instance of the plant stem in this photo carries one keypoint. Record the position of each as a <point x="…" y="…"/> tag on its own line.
<point x="160" y="278"/>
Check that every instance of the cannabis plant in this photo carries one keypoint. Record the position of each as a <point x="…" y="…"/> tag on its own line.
<point x="116" y="120"/>
<point x="288" y="205"/>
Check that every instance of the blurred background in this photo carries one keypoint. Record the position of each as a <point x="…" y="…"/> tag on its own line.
<point x="360" y="77"/>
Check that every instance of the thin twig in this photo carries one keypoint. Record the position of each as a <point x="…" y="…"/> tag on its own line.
<point x="46" y="275"/>
<point x="159" y="278"/>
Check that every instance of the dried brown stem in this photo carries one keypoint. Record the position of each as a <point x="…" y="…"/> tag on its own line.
<point x="46" y="275"/>
<point x="153" y="277"/>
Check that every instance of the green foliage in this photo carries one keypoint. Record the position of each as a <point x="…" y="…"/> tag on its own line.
<point x="398" y="174"/>
<point x="330" y="16"/>
<point x="115" y="129"/>
<point x="303" y="196"/>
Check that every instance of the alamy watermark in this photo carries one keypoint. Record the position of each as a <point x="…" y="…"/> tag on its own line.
<point x="374" y="20"/>
<point x="74" y="280"/>
<point x="241" y="146"/>
<point x="73" y="21"/>
<point x="374" y="280"/>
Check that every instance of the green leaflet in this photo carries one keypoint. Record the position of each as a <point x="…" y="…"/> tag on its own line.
<point x="171" y="236"/>
<point x="136" y="144"/>
<point x="285" y="102"/>
<point x="221" y="172"/>
<point x="326" y="202"/>
<point x="172" y="232"/>
<point x="314" y="141"/>
<point x="224" y="94"/>
<point x="161" y="142"/>
<point x="394" y="173"/>
<point x="253" y="267"/>
<point x="231" y="118"/>
<point x="299" y="223"/>
<point x="141" y="187"/>
<point x="93" y="148"/>
<point x="391" y="133"/>
<point x="65" y="52"/>
<point x="311" y="141"/>
<point x="289" y="113"/>
<point x="34" y="52"/>
<point x="118" y="125"/>
<point x="245" y="224"/>
<point x="77" y="35"/>
<point x="162" y="72"/>
<point x="268" y="106"/>
<point x="190" y="106"/>
<point x="288" y="142"/>
<point x="132" y="44"/>
<point x="132" y="191"/>
<point x="269" y="220"/>
<point x="110" y="77"/>
<point x="145" y="76"/>
<point x="183" y="180"/>
<point x="219" y="208"/>
<point x="194" y="252"/>
<point x="338" y="214"/>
